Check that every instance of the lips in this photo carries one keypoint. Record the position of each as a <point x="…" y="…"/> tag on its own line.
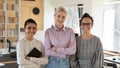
<point x="86" y="29"/>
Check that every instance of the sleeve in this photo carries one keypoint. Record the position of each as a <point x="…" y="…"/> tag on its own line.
<point x="99" y="56"/>
<point x="21" y="54"/>
<point x="70" y="50"/>
<point x="42" y="60"/>
<point x="74" y="59"/>
<point x="47" y="45"/>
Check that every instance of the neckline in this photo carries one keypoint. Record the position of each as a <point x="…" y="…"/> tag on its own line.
<point x="29" y="40"/>
<point x="88" y="38"/>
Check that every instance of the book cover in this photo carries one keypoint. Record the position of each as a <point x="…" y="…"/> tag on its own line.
<point x="35" y="53"/>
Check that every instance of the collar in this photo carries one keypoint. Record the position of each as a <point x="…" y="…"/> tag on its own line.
<point x="56" y="29"/>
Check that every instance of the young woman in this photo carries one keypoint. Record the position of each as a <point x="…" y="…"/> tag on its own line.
<point x="60" y="41"/>
<point x="89" y="47"/>
<point x="25" y="45"/>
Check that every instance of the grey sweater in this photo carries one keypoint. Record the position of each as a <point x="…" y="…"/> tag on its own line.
<point x="89" y="53"/>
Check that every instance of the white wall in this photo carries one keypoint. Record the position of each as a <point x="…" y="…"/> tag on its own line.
<point x="93" y="7"/>
<point x="65" y="2"/>
<point x="48" y="14"/>
<point x="97" y="13"/>
<point x="48" y="21"/>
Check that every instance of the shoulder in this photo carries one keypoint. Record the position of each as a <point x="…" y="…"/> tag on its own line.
<point x="21" y="41"/>
<point x="96" y="37"/>
<point x="69" y="29"/>
<point x="37" y="41"/>
<point x="38" y="44"/>
<point x="97" y="40"/>
<point x="78" y="39"/>
<point x="49" y="29"/>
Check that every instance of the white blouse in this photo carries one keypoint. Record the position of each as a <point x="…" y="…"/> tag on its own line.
<point x="23" y="48"/>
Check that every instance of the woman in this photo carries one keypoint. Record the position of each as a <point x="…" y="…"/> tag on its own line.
<point x="60" y="41"/>
<point x="25" y="45"/>
<point x="89" y="52"/>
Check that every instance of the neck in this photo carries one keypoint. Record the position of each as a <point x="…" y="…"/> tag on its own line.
<point x="29" y="38"/>
<point x="87" y="36"/>
<point x="59" y="27"/>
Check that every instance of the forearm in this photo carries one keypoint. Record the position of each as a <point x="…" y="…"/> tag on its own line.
<point x="42" y="60"/>
<point x="99" y="60"/>
<point x="21" y="60"/>
<point x="67" y="51"/>
<point x="50" y="52"/>
<point x="20" y="55"/>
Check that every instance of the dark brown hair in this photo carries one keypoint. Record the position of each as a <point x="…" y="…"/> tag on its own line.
<point x="85" y="15"/>
<point x="29" y="21"/>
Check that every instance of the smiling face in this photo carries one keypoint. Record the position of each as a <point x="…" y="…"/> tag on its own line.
<point x="30" y="30"/>
<point x="86" y="25"/>
<point x="60" y="18"/>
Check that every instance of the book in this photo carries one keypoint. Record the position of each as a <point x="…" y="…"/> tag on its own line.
<point x="35" y="53"/>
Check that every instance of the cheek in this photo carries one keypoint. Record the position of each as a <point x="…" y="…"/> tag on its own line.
<point x="35" y="31"/>
<point x="81" y="27"/>
<point x="91" y="27"/>
<point x="26" y="31"/>
<point x="63" y="20"/>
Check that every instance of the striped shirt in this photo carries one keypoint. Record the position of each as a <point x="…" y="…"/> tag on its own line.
<point x="89" y="52"/>
<point x="61" y="39"/>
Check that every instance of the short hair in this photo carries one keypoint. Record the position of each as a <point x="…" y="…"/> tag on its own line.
<point x="60" y="9"/>
<point x="30" y="20"/>
<point x="86" y="15"/>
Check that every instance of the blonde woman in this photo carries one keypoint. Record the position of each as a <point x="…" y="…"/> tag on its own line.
<point x="59" y="42"/>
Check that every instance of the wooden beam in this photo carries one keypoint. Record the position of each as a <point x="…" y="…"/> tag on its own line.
<point x="8" y="62"/>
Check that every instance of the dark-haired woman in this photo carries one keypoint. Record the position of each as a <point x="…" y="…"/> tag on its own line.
<point x="25" y="45"/>
<point x="89" y="52"/>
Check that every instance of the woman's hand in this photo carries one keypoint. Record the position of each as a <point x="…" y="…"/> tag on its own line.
<point x="27" y="57"/>
<point x="54" y="48"/>
<point x="71" y="44"/>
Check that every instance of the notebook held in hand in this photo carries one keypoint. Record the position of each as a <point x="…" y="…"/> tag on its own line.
<point x="35" y="53"/>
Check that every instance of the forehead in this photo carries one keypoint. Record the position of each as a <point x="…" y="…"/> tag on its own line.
<point x="86" y="19"/>
<point x="62" y="13"/>
<point x="30" y="24"/>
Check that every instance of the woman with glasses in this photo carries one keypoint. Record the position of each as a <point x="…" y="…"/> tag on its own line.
<point x="25" y="45"/>
<point x="89" y="52"/>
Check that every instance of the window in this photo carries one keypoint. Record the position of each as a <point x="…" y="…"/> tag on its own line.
<point x="111" y="33"/>
<point x="74" y="14"/>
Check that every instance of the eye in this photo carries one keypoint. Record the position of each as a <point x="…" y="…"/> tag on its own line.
<point x="28" y="27"/>
<point x="34" y="28"/>
<point x="63" y="17"/>
<point x="88" y="24"/>
<point x="58" y="16"/>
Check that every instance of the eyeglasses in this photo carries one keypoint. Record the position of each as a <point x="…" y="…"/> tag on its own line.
<point x="87" y="24"/>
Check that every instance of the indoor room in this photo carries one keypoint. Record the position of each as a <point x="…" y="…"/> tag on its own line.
<point x="13" y="14"/>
